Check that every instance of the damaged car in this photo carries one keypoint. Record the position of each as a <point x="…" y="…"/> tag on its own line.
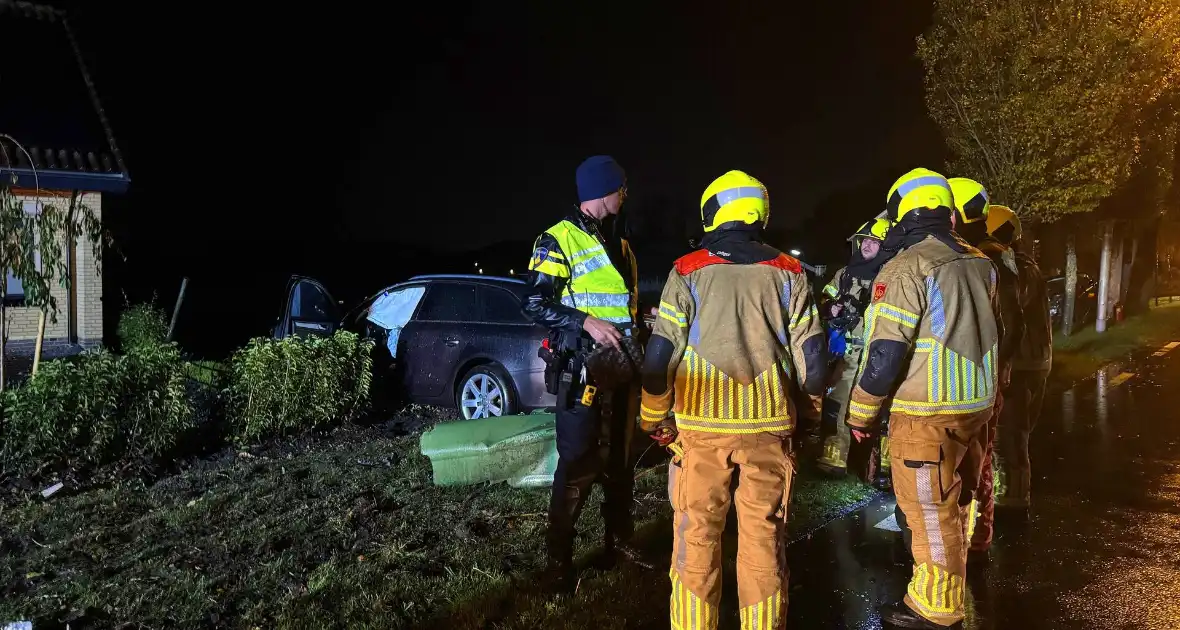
<point x="450" y="340"/>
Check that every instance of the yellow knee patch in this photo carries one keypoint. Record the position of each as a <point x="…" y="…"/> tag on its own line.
<point x="687" y="611"/>
<point x="765" y="615"/>
<point x="936" y="592"/>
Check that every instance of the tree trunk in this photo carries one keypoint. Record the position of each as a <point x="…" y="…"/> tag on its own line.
<point x="1128" y="267"/>
<point x="1104" y="276"/>
<point x="1071" y="284"/>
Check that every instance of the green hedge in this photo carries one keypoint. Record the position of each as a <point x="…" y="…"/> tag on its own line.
<point x="295" y="384"/>
<point x="142" y="326"/>
<point x="100" y="408"/>
<point x="95" y="409"/>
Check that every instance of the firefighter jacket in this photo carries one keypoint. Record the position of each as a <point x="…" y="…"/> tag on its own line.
<point x="860" y="291"/>
<point x="732" y="344"/>
<point x="932" y="339"/>
<point x="575" y="271"/>
<point x="1035" y="349"/>
<point x="1009" y="318"/>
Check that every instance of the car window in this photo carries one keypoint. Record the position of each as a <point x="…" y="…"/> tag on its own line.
<point x="450" y="302"/>
<point x="501" y="307"/>
<point x="308" y="301"/>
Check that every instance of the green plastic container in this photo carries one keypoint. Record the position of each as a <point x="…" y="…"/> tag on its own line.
<point x="521" y="450"/>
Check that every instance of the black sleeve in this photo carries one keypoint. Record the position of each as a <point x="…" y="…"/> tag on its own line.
<point x="883" y="366"/>
<point x="542" y="301"/>
<point x="815" y="357"/>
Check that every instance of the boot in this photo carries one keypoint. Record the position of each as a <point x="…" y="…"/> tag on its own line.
<point x="899" y="615"/>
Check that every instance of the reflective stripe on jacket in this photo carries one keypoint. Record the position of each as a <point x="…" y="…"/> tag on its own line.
<point x="592" y="284"/>
<point x="744" y="339"/>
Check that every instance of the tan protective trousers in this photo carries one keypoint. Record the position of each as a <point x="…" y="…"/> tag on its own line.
<point x="836" y="445"/>
<point x="935" y="471"/>
<point x="699" y="489"/>
<point x="1022" y="407"/>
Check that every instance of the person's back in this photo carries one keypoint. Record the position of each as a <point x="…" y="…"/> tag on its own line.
<point x="737" y="335"/>
<point x="932" y="343"/>
<point x="941" y="301"/>
<point x="1031" y="363"/>
<point x="743" y="350"/>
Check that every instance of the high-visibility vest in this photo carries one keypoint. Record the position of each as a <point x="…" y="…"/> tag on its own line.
<point x="595" y="287"/>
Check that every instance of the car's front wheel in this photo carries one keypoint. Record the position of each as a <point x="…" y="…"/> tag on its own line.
<point x="486" y="391"/>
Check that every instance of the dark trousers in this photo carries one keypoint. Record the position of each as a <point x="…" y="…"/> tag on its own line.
<point x="593" y="445"/>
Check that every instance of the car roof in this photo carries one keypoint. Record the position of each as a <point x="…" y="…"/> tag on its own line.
<point x="466" y="276"/>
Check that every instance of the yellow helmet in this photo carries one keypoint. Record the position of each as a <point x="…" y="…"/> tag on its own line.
<point x="998" y="217"/>
<point x="734" y="197"/>
<point x="971" y="199"/>
<point x="875" y="229"/>
<point x="919" y="189"/>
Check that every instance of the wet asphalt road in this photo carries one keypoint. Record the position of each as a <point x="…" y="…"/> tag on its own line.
<point x="1103" y="547"/>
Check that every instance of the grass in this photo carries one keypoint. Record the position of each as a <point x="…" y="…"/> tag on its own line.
<point x="1083" y="353"/>
<point x="331" y="531"/>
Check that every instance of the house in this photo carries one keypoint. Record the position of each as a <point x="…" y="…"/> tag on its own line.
<point x="48" y="104"/>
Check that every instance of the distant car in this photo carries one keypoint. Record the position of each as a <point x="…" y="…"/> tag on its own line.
<point x="450" y="340"/>
<point x="1086" y="305"/>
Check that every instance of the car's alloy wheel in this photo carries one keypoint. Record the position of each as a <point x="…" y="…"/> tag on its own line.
<point x="482" y="397"/>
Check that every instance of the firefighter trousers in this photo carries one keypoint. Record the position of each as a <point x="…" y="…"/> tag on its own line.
<point x="837" y="438"/>
<point x="699" y="490"/>
<point x="983" y="519"/>
<point x="1022" y="408"/>
<point x="593" y="446"/>
<point x="935" y="470"/>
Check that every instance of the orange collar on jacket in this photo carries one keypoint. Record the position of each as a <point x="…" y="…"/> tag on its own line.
<point x="703" y="258"/>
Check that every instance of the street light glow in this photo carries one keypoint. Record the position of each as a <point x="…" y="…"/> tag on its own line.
<point x="795" y="252"/>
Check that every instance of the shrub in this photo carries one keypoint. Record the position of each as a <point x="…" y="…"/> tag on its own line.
<point x="142" y="326"/>
<point x="295" y="384"/>
<point x="95" y="409"/>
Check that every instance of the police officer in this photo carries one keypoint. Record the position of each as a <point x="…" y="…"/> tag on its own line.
<point x="582" y="287"/>
<point x="737" y="337"/>
<point x="972" y="207"/>
<point x="842" y="306"/>
<point x="931" y="341"/>
<point x="1031" y="364"/>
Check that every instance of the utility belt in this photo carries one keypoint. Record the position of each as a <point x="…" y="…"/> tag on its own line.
<point x="575" y="366"/>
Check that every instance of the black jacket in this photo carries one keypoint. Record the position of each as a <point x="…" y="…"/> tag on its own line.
<point x="542" y="299"/>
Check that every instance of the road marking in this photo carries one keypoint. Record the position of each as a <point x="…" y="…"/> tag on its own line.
<point x="1121" y="378"/>
<point x="1166" y="349"/>
<point x="889" y="524"/>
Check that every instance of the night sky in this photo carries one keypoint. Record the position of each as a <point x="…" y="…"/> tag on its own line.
<point x="259" y="137"/>
<point x="391" y="126"/>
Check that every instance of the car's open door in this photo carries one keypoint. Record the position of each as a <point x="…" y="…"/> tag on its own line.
<point x="310" y="310"/>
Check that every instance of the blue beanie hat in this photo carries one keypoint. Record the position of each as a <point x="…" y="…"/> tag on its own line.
<point x="598" y="177"/>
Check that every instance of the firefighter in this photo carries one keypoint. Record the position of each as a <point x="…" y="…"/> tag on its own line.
<point x="1030" y="369"/>
<point x="582" y="287"/>
<point x="931" y="339"/>
<point x="972" y="205"/>
<point x="842" y="306"/>
<point x="738" y="336"/>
